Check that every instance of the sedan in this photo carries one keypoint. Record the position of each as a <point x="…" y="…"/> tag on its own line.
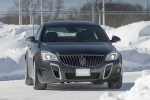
<point x="72" y="51"/>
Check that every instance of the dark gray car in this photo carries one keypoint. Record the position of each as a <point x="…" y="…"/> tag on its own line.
<point x="72" y="52"/>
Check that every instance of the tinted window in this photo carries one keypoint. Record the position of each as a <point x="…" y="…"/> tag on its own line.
<point x="39" y="32"/>
<point x="73" y="33"/>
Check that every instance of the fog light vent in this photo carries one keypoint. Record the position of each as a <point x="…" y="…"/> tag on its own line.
<point x="56" y="71"/>
<point x="107" y="71"/>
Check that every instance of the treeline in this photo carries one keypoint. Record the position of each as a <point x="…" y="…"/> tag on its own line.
<point x="117" y="13"/>
<point x="53" y="11"/>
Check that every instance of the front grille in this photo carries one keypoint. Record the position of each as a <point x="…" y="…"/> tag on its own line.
<point x="82" y="60"/>
<point x="72" y="76"/>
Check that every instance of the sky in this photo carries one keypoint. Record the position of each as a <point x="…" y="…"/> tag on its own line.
<point x="6" y="4"/>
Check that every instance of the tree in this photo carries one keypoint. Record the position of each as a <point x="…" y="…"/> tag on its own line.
<point x="48" y="8"/>
<point x="114" y="19"/>
<point x="73" y="14"/>
<point x="58" y="7"/>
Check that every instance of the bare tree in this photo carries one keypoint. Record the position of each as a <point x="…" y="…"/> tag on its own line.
<point x="73" y="14"/>
<point x="48" y="7"/>
<point x="59" y="5"/>
<point x="114" y="20"/>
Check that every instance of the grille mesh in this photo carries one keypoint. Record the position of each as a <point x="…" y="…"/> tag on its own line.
<point x="75" y="60"/>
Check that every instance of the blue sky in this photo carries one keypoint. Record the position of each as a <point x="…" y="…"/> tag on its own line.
<point x="6" y="4"/>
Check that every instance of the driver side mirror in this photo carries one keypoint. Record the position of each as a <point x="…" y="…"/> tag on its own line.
<point x="115" y="39"/>
<point x="31" y="39"/>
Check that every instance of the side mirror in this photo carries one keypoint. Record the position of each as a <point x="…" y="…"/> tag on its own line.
<point x="31" y="39"/>
<point x="115" y="39"/>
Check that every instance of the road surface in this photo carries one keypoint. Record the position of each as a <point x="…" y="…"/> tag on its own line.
<point x="17" y="90"/>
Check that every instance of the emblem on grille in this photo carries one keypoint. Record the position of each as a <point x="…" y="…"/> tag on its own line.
<point x="82" y="61"/>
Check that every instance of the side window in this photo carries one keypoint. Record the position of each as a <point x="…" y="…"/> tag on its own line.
<point x="38" y="33"/>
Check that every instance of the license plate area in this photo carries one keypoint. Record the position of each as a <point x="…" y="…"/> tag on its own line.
<point x="83" y="72"/>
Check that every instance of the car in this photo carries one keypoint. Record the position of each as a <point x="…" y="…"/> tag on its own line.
<point x="72" y="51"/>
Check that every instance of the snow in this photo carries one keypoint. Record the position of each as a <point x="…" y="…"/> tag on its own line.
<point x="131" y="35"/>
<point x="140" y="90"/>
<point x="17" y="90"/>
<point x="136" y="55"/>
<point x="12" y="49"/>
<point x="134" y="47"/>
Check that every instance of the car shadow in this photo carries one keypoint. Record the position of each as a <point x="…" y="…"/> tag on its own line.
<point x="86" y="87"/>
<point x="126" y="86"/>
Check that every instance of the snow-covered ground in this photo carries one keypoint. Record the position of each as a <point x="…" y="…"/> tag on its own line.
<point x="17" y="90"/>
<point x="140" y="90"/>
<point x="134" y="47"/>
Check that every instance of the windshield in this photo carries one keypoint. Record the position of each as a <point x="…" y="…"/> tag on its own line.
<point x="73" y="33"/>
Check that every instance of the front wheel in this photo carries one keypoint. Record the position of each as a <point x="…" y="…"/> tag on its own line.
<point x="28" y="79"/>
<point x="36" y="82"/>
<point x="115" y="85"/>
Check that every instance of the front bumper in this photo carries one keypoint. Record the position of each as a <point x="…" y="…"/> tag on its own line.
<point x="55" y="71"/>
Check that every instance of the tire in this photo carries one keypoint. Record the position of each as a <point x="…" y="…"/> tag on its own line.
<point x="28" y="79"/>
<point x="115" y="85"/>
<point x="36" y="83"/>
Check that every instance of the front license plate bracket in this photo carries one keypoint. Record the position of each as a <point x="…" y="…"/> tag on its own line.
<point x="83" y="72"/>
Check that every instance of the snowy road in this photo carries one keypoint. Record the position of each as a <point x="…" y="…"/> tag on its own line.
<point x="17" y="90"/>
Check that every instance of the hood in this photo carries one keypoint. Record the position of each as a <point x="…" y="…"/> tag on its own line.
<point x="78" y="48"/>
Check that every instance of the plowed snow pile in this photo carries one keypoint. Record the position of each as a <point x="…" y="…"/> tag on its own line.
<point x="135" y="49"/>
<point x="134" y="46"/>
<point x="140" y="91"/>
<point x="12" y="50"/>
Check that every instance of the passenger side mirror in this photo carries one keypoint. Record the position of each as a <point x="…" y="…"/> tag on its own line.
<point x="31" y="39"/>
<point x="115" y="39"/>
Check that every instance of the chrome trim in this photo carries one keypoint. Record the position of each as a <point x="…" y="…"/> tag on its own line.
<point x="51" y="64"/>
<point x="110" y="70"/>
<point x="73" y="60"/>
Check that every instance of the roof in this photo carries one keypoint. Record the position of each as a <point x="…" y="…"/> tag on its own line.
<point x="70" y="23"/>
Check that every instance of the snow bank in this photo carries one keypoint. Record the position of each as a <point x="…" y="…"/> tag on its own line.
<point x="12" y="49"/>
<point x="131" y="35"/>
<point x="134" y="45"/>
<point x="140" y="91"/>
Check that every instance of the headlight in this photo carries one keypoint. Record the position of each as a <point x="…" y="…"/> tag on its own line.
<point x="112" y="56"/>
<point x="45" y="55"/>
